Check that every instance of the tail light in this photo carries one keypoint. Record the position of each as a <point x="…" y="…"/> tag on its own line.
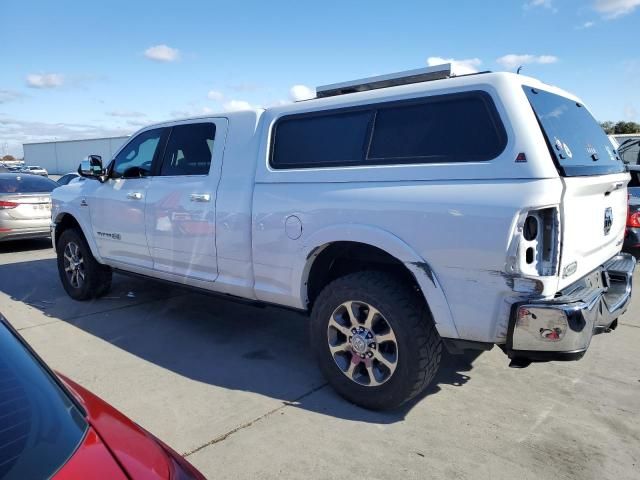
<point x="633" y="220"/>
<point x="535" y="246"/>
<point x="4" y="205"/>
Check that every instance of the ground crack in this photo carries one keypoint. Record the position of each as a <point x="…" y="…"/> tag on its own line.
<point x="224" y="436"/>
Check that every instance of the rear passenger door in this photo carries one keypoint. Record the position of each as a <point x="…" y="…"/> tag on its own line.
<point x="180" y="212"/>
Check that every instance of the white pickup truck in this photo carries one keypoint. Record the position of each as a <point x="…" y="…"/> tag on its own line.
<point x="407" y="213"/>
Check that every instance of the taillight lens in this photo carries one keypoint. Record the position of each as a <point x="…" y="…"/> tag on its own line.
<point x="7" y="205"/>
<point x="633" y="220"/>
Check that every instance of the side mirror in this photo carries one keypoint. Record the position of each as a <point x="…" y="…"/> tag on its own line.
<point x="91" y="167"/>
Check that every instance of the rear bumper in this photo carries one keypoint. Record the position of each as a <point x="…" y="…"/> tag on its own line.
<point x="24" y="233"/>
<point x="561" y="329"/>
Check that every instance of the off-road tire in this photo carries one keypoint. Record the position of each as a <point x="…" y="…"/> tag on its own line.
<point x="419" y="345"/>
<point x="97" y="281"/>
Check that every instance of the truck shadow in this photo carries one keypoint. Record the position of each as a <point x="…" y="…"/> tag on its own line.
<point x="25" y="245"/>
<point x="264" y="350"/>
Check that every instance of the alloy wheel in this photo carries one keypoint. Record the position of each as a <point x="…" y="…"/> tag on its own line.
<point x="74" y="265"/>
<point x="362" y="343"/>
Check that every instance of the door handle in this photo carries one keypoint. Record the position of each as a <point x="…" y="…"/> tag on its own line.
<point x="134" y="195"/>
<point x="200" y="197"/>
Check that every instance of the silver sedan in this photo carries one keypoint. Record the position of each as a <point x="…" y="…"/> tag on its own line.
<point x="25" y="206"/>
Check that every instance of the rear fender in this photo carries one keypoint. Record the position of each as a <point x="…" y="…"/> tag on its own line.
<point x="394" y="246"/>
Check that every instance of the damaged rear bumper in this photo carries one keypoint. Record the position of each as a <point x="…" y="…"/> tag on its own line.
<point x="562" y="328"/>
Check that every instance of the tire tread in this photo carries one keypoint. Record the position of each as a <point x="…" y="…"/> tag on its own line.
<point x="417" y="319"/>
<point x="99" y="276"/>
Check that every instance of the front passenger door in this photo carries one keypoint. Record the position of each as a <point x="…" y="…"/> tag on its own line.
<point x="117" y="206"/>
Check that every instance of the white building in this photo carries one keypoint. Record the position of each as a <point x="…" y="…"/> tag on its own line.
<point x="61" y="157"/>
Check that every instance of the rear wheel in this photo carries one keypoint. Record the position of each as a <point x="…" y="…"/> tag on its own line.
<point x="81" y="275"/>
<point x="374" y="339"/>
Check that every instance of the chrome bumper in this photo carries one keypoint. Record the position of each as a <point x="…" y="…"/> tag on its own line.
<point x="561" y="329"/>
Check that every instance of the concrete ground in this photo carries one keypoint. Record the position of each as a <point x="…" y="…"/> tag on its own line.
<point x="235" y="389"/>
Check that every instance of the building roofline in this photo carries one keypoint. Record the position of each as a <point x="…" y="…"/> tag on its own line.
<point x="76" y="140"/>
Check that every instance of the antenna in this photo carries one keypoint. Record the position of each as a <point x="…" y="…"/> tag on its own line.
<point x="519" y="68"/>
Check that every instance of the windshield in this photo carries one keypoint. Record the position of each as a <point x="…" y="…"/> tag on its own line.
<point x="12" y="183"/>
<point x="578" y="144"/>
<point x="40" y="427"/>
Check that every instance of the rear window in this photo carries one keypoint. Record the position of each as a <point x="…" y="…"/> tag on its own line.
<point x="40" y="427"/>
<point x="321" y="140"/>
<point x="26" y="184"/>
<point x="577" y="143"/>
<point x="426" y="130"/>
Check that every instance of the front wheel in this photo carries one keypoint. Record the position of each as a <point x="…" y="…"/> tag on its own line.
<point x="374" y="339"/>
<point x="81" y="275"/>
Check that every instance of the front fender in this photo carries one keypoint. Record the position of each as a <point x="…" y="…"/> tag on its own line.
<point x="83" y="220"/>
<point x="427" y="279"/>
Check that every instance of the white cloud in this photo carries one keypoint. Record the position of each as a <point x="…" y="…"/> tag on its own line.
<point x="138" y="123"/>
<point x="301" y="92"/>
<point x="45" y="80"/>
<point x="540" y="3"/>
<point x="546" y="59"/>
<point x="191" y="111"/>
<point x="126" y="114"/>
<point x="610" y="9"/>
<point x="162" y="53"/>
<point x="7" y="96"/>
<point x="229" y="106"/>
<point x="215" y="95"/>
<point x="245" y="87"/>
<point x="458" y="67"/>
<point x="513" y="60"/>
<point x="236" y="105"/>
<point x="586" y="25"/>
<point x="278" y="103"/>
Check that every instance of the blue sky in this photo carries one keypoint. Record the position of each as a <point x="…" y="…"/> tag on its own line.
<point x="74" y="69"/>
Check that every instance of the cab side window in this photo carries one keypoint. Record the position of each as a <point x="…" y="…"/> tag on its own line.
<point x="189" y="150"/>
<point x="136" y="158"/>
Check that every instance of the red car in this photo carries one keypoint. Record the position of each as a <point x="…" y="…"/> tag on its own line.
<point x="50" y="427"/>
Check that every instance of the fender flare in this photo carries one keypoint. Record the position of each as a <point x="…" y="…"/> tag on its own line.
<point x="419" y="267"/>
<point x="84" y="228"/>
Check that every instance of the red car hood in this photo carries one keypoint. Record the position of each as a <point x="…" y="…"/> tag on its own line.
<point x="134" y="449"/>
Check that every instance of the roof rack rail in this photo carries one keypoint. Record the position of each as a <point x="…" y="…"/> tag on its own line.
<point x="437" y="72"/>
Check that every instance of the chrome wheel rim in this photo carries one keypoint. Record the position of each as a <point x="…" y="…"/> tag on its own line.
<point x="362" y="343"/>
<point x="73" y="265"/>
